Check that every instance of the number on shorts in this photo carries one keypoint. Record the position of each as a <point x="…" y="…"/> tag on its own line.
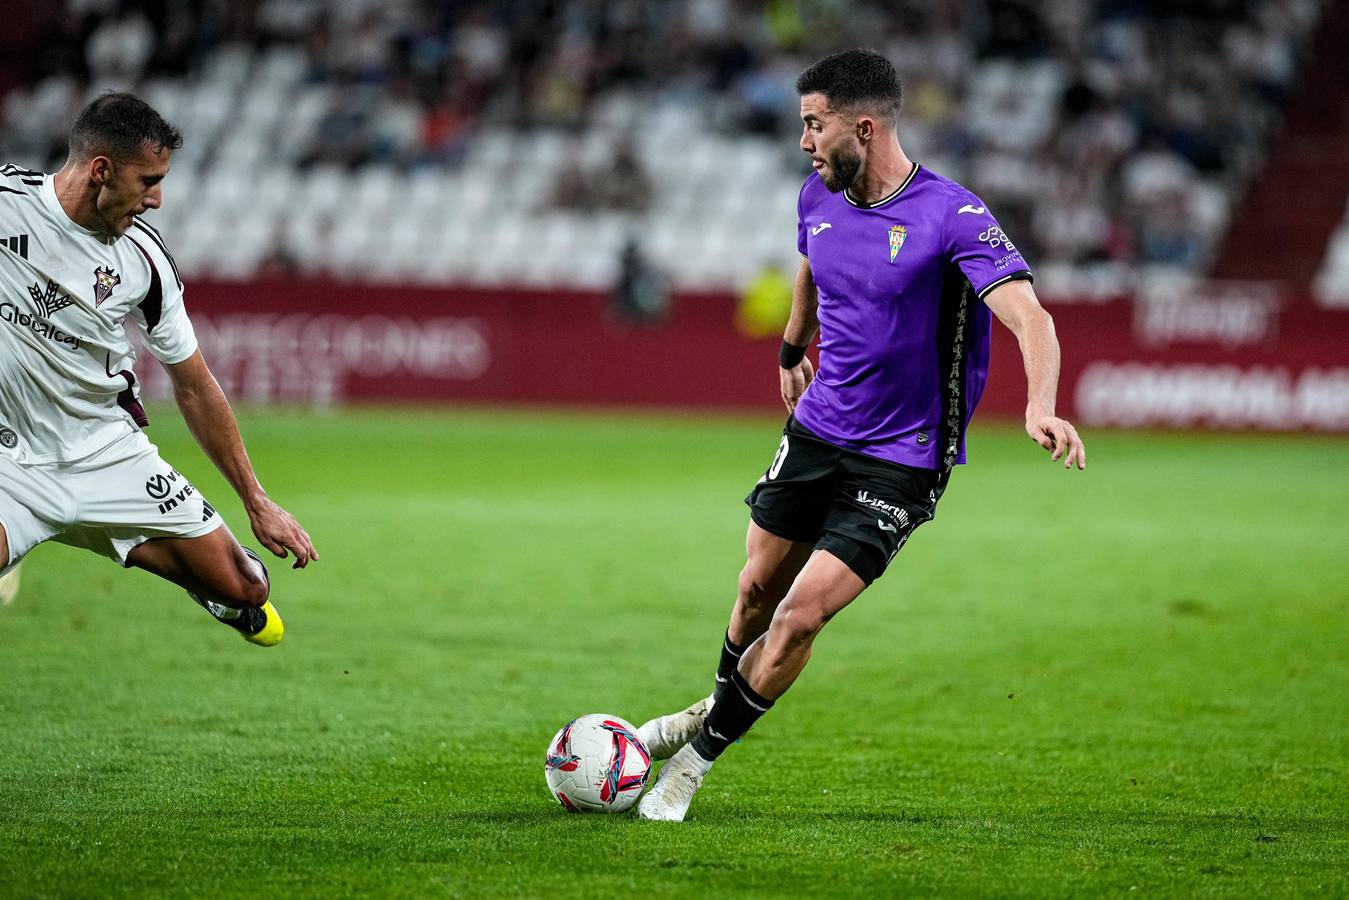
<point x="778" y="459"/>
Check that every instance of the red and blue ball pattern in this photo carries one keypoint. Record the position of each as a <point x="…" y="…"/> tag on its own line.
<point x="596" y="763"/>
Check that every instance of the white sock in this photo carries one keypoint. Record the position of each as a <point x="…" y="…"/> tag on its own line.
<point x="221" y="612"/>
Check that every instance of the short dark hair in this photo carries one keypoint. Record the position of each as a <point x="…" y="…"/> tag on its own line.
<point x="117" y="126"/>
<point x="855" y="79"/>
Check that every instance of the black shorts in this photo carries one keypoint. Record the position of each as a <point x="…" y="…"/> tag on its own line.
<point x="859" y="508"/>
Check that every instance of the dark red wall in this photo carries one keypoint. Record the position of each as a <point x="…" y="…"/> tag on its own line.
<point x="1205" y="363"/>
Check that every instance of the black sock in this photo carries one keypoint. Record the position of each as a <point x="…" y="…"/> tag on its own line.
<point x="738" y="708"/>
<point x="730" y="659"/>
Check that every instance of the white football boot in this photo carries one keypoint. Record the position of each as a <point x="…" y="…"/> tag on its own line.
<point x="663" y="735"/>
<point x="669" y="799"/>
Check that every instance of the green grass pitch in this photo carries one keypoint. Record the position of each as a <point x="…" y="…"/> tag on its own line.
<point x="1129" y="681"/>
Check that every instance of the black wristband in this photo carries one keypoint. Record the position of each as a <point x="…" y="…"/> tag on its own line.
<point x="790" y="355"/>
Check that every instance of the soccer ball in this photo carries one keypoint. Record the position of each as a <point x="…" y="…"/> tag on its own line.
<point x="596" y="763"/>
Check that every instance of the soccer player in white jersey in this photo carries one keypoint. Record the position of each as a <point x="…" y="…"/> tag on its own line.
<point x="76" y="260"/>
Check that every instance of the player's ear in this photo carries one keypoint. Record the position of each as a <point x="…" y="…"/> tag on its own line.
<point x="100" y="169"/>
<point x="866" y="129"/>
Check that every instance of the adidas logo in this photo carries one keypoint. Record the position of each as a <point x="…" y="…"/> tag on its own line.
<point x="17" y="244"/>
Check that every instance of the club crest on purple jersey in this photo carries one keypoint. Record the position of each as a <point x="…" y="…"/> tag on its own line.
<point x="105" y="279"/>
<point x="898" y="234"/>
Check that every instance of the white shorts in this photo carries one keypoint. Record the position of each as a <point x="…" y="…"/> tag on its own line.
<point x="109" y="502"/>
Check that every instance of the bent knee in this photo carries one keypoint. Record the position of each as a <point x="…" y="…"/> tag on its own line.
<point x="255" y="593"/>
<point x="755" y="587"/>
<point x="799" y="623"/>
<point x="249" y="588"/>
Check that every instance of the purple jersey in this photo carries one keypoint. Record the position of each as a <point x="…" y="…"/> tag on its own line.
<point x="904" y="334"/>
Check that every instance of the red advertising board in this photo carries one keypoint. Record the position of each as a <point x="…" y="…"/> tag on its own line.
<point x="1199" y="364"/>
<point x="1243" y="362"/>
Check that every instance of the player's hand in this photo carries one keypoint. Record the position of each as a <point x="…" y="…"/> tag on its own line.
<point x="279" y="532"/>
<point x="794" y="382"/>
<point x="1059" y="437"/>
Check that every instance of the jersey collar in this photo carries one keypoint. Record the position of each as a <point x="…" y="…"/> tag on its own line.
<point x="889" y="197"/>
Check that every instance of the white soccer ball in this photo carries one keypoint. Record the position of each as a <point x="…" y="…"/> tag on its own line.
<point x="596" y="763"/>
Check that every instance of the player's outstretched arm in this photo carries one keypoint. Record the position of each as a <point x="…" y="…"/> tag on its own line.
<point x="211" y="421"/>
<point x="1019" y="309"/>
<point x="801" y="328"/>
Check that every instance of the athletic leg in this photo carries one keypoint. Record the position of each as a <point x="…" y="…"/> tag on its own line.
<point x="875" y="506"/>
<point x="212" y="566"/>
<point x="788" y="506"/>
<point x="772" y="563"/>
<point x="227" y="580"/>
<point x="824" y="587"/>
<point x="879" y="507"/>
<point x="771" y="665"/>
<point x="135" y="508"/>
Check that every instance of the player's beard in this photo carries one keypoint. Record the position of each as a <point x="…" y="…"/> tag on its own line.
<point x="843" y="168"/>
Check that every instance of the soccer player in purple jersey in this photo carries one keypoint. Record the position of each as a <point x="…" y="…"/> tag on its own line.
<point x="902" y="273"/>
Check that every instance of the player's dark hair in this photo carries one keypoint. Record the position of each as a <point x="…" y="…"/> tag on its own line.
<point x="856" y="79"/>
<point x="119" y="125"/>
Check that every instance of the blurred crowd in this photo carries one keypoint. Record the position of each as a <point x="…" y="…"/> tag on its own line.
<point x="1098" y="130"/>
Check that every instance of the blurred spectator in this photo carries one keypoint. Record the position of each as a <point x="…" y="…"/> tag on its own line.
<point x="118" y="50"/>
<point x="766" y="303"/>
<point x="642" y="294"/>
<point x="446" y="125"/>
<point x="764" y="98"/>
<point x="278" y="261"/>
<point x="572" y="188"/>
<point x="624" y="183"/>
<point x="1075" y="228"/>
<point x="36" y="120"/>
<point x="1170" y="236"/>
<point x="178" y="46"/>
<point x="1095" y="129"/>
<point x="620" y="184"/>
<point x="343" y="135"/>
<point x="1155" y="173"/>
<point x="362" y="56"/>
<point x="396" y="126"/>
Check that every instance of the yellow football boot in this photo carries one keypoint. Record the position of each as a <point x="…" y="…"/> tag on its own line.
<point x="259" y="625"/>
<point x="269" y="635"/>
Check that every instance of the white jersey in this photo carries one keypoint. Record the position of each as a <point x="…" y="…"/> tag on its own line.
<point x="66" y="384"/>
